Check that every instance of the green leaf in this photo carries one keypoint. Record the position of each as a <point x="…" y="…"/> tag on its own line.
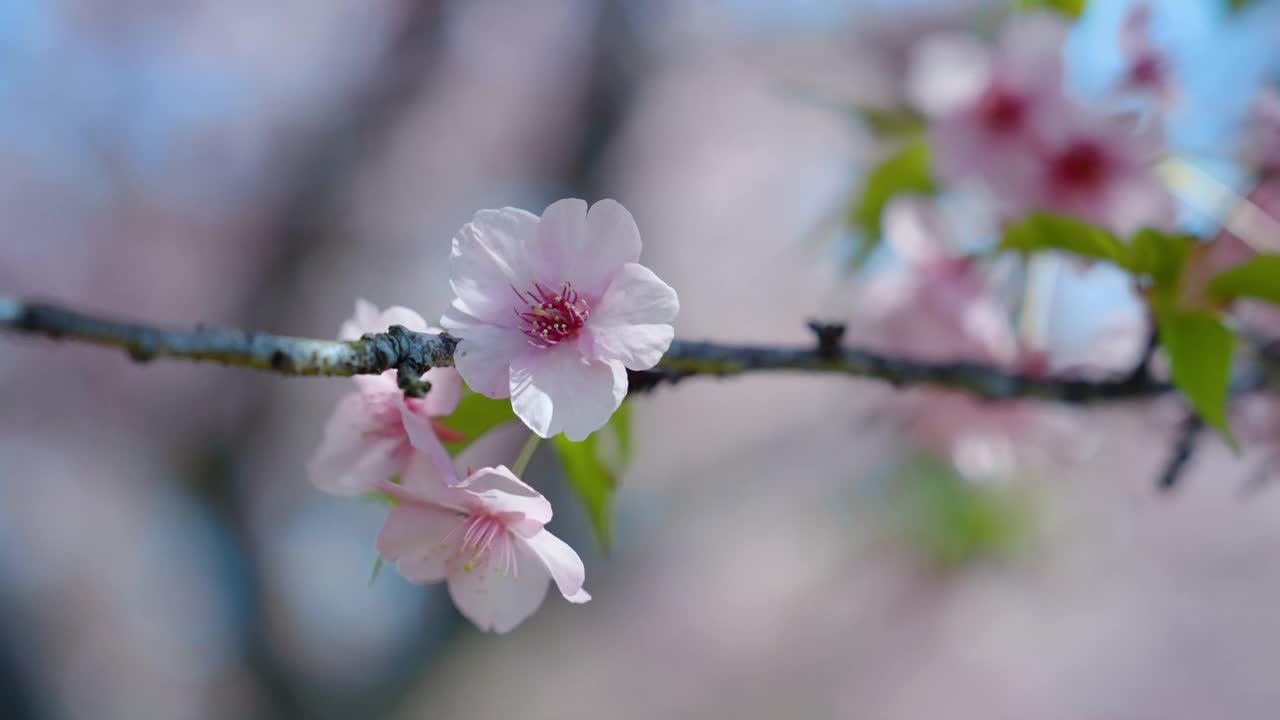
<point x="954" y="521"/>
<point x="891" y="122"/>
<point x="1259" y="279"/>
<point x="476" y="415"/>
<point x="1199" y="348"/>
<point x="1070" y="8"/>
<point x="905" y="171"/>
<point x="1160" y="257"/>
<point x="1041" y="231"/>
<point x="592" y="468"/>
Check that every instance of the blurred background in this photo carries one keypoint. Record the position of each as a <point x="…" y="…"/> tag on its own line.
<point x="784" y="545"/>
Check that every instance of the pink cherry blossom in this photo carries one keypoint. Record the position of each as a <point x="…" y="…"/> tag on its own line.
<point x="1000" y="118"/>
<point x="987" y="105"/>
<point x="553" y="311"/>
<point x="485" y="537"/>
<point x="375" y="431"/>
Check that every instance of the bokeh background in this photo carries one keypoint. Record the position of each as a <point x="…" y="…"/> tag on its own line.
<point x="781" y="548"/>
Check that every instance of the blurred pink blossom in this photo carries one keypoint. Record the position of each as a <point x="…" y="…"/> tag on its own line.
<point x="1000" y="117"/>
<point x="552" y="311"/>
<point x="485" y="536"/>
<point x="1148" y="72"/>
<point x="373" y="433"/>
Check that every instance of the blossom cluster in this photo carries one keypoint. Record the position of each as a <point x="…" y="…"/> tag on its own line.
<point x="551" y="312"/>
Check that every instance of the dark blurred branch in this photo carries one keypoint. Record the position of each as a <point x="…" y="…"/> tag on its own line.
<point x="1183" y="448"/>
<point x="413" y="353"/>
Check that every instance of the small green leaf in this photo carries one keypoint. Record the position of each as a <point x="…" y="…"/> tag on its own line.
<point x="1159" y="256"/>
<point x="1258" y="279"/>
<point x="1199" y="348"/>
<point x="953" y="521"/>
<point x="1070" y="8"/>
<point x="1041" y="231"/>
<point x="592" y="468"/>
<point x="377" y="568"/>
<point x="905" y="171"/>
<point x="891" y="122"/>
<point x="476" y="415"/>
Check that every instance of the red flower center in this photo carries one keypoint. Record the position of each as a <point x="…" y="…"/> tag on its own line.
<point x="1002" y="112"/>
<point x="551" y="317"/>
<point x="1081" y="166"/>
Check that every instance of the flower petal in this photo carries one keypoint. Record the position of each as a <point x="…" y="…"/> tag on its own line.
<point x="424" y="439"/>
<point x="632" y="322"/>
<point x="368" y="319"/>
<point x="947" y="72"/>
<point x="347" y="463"/>
<point x="489" y="258"/>
<point x="417" y="537"/>
<point x="557" y="390"/>
<point x="562" y="562"/>
<point x="445" y="393"/>
<point x="583" y="247"/>
<point x="501" y="493"/>
<point x="484" y="358"/>
<point x="499" y="601"/>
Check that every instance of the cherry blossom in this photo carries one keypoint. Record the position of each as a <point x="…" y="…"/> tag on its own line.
<point x="1148" y="71"/>
<point x="553" y="311"/>
<point x="485" y="537"/>
<point x="1001" y="118"/>
<point x="374" y="432"/>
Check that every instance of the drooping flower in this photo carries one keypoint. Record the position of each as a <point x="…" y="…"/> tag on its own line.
<point x="485" y="537"/>
<point x="553" y="311"/>
<point x="375" y="431"/>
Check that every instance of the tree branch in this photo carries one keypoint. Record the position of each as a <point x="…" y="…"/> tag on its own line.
<point x="412" y="354"/>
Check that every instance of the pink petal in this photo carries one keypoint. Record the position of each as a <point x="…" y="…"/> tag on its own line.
<point x="499" y="601"/>
<point x="562" y="562"/>
<point x="368" y="319"/>
<point x="377" y="384"/>
<point x="423" y="437"/>
<point x="417" y="537"/>
<point x="1031" y="51"/>
<point x="485" y="355"/>
<point x="631" y="324"/>
<point x="583" y="247"/>
<point x="421" y="482"/>
<point x="914" y="226"/>
<point x="489" y="258"/>
<point x="347" y="463"/>
<point x="446" y="391"/>
<point x="502" y="493"/>
<point x="556" y="390"/>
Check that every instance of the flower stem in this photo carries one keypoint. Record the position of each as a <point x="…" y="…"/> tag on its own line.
<point x="526" y="454"/>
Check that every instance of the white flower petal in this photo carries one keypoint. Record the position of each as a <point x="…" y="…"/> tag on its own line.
<point x="583" y="247"/>
<point x="947" y="73"/>
<point x="562" y="562"/>
<point x="631" y="323"/>
<point x="501" y="493"/>
<point x="496" y="600"/>
<point x="484" y="358"/>
<point x="489" y="258"/>
<point x="446" y="391"/>
<point x="556" y="390"/>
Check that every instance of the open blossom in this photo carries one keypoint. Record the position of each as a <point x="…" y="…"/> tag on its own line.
<point x="375" y="432"/>
<point x="553" y="311"/>
<point x="485" y="537"/>
<point x="1001" y="118"/>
